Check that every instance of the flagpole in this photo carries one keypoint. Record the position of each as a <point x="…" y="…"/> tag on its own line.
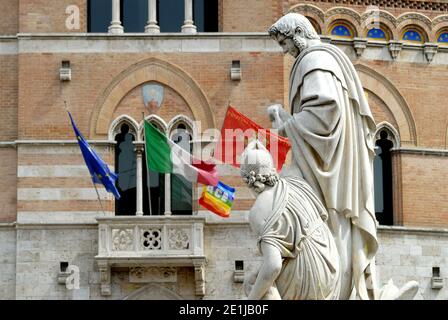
<point x="147" y="169"/>
<point x="99" y="199"/>
<point x="94" y="185"/>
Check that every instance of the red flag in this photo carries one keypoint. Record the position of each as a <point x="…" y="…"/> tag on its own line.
<point x="237" y="129"/>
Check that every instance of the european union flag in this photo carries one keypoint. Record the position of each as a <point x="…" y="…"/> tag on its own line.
<point x="98" y="168"/>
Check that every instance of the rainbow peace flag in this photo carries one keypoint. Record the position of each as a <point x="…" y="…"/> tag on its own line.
<point x="218" y="199"/>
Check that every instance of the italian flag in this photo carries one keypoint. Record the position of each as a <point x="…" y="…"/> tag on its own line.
<point x="164" y="156"/>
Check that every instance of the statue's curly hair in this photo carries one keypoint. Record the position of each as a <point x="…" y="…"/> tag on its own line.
<point x="259" y="181"/>
<point x="289" y="23"/>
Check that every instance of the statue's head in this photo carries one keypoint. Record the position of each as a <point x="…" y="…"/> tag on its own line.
<point x="257" y="167"/>
<point x="294" y="33"/>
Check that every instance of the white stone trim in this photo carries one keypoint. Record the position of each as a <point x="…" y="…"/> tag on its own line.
<point x="57" y="194"/>
<point x="61" y="217"/>
<point x="422" y="151"/>
<point x="9" y="46"/>
<point x="413" y="230"/>
<point x="55" y="171"/>
<point x="200" y="42"/>
<point x="236" y="217"/>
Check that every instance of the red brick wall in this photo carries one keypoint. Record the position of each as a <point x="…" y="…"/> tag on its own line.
<point x="8" y="187"/>
<point x="49" y="16"/>
<point x="249" y="15"/>
<point x="41" y="112"/>
<point x="424" y="187"/>
<point x="8" y="97"/>
<point x="9" y="22"/>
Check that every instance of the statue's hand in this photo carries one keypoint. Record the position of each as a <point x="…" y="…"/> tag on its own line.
<point x="274" y="115"/>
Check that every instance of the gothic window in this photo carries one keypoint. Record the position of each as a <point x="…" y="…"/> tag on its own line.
<point x="99" y="15"/>
<point x="181" y="188"/>
<point x="442" y="37"/>
<point x="413" y="35"/>
<point x="383" y="177"/>
<point x="125" y="166"/>
<point x="153" y="186"/>
<point x="378" y="34"/>
<point x="342" y="30"/>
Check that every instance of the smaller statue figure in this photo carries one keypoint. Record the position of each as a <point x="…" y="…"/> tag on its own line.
<point x="300" y="257"/>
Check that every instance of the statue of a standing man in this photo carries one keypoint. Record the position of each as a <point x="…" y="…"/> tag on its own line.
<point x="331" y="130"/>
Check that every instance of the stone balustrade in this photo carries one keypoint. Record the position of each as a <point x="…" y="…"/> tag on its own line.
<point x="143" y="241"/>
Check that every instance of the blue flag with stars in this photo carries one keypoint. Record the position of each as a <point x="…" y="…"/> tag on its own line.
<point x="99" y="171"/>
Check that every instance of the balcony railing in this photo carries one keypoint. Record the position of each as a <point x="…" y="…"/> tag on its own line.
<point x="150" y="241"/>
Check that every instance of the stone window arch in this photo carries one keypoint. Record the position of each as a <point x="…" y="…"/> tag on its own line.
<point x="442" y="37"/>
<point x="413" y="34"/>
<point x="381" y="33"/>
<point x="342" y="29"/>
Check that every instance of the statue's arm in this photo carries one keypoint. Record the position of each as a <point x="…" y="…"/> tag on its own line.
<point x="268" y="273"/>
<point x="318" y="121"/>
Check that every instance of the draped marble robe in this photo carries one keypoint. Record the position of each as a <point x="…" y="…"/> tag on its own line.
<point x="332" y="135"/>
<point x="293" y="221"/>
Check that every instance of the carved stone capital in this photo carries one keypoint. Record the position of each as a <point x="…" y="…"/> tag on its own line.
<point x="395" y="48"/>
<point x="199" y="277"/>
<point x="104" y="269"/>
<point x="139" y="147"/>
<point x="430" y="50"/>
<point x="359" y="44"/>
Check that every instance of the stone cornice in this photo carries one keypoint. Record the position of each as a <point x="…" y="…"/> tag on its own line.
<point x="422" y="151"/>
<point x="413" y="230"/>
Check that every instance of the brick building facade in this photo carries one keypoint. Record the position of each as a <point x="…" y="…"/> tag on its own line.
<point x="49" y="213"/>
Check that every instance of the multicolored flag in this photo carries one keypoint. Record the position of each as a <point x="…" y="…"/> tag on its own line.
<point x="98" y="169"/>
<point x="164" y="156"/>
<point x="218" y="199"/>
<point x="237" y="129"/>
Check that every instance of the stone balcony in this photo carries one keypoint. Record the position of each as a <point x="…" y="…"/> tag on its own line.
<point x="140" y="242"/>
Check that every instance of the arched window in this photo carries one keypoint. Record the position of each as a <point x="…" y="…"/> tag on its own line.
<point x="181" y="188"/>
<point x="378" y="34"/>
<point x="342" y="30"/>
<point x="442" y="37"/>
<point x="156" y="183"/>
<point x="125" y="166"/>
<point x="413" y="35"/>
<point x="383" y="177"/>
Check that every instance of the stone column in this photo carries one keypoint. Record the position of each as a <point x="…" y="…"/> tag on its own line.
<point x="115" y="25"/>
<point x="167" y="194"/>
<point x="139" y="151"/>
<point x="188" y="26"/>
<point x="152" y="26"/>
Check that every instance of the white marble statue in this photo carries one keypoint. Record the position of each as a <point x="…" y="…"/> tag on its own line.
<point x="331" y="130"/>
<point x="300" y="258"/>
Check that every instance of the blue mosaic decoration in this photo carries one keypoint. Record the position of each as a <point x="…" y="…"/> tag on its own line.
<point x="341" y="31"/>
<point x="443" y="37"/>
<point x="412" y="35"/>
<point x="376" y="33"/>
